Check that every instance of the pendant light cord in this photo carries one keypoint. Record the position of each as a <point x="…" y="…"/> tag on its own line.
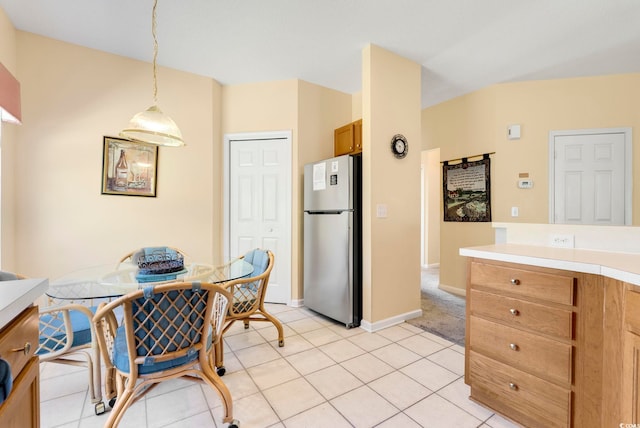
<point x="155" y="52"/>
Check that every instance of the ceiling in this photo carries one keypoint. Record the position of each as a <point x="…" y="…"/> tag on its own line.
<point x="462" y="45"/>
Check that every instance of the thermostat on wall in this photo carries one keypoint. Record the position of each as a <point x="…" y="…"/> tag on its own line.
<point x="513" y="132"/>
<point x="525" y="184"/>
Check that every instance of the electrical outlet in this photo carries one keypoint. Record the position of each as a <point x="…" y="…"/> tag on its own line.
<point x="562" y="241"/>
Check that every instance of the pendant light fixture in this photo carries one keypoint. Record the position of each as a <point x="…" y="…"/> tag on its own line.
<point x="152" y="126"/>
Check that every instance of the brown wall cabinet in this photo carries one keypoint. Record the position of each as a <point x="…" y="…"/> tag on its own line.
<point x="347" y="140"/>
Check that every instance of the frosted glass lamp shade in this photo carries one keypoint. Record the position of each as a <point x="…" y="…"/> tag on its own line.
<point x="152" y="126"/>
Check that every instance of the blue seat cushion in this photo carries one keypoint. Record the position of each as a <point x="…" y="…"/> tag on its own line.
<point x="54" y="332"/>
<point x="121" y="356"/>
<point x="259" y="259"/>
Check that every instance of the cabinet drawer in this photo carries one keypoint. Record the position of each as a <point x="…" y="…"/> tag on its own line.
<point x="520" y="313"/>
<point x="539" y="285"/>
<point x="546" y="358"/>
<point x="14" y="337"/>
<point x="632" y="311"/>
<point x="541" y="403"/>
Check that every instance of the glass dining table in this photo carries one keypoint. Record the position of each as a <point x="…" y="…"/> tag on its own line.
<point x="110" y="281"/>
<point x="102" y="283"/>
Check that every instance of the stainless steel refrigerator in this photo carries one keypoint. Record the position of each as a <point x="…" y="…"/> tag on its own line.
<point x="333" y="238"/>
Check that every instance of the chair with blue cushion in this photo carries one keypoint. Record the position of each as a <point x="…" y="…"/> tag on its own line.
<point x="66" y="333"/>
<point x="167" y="332"/>
<point x="248" y="300"/>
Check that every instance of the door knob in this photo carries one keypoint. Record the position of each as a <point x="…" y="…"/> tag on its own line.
<point x="514" y="312"/>
<point x="513" y="346"/>
<point x="515" y="281"/>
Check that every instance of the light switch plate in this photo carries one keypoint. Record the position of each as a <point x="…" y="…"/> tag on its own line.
<point x="381" y="210"/>
<point x="513" y="132"/>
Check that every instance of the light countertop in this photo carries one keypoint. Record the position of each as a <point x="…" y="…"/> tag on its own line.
<point x="15" y="296"/>
<point x="621" y="266"/>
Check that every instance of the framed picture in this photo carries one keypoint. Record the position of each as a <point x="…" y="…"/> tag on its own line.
<point x="129" y="168"/>
<point x="467" y="191"/>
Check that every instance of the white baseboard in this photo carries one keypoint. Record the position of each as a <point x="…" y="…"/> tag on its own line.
<point x="296" y="303"/>
<point x="382" y="324"/>
<point x="453" y="290"/>
<point x="430" y="266"/>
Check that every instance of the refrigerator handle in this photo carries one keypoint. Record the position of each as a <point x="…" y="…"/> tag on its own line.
<point x="325" y="212"/>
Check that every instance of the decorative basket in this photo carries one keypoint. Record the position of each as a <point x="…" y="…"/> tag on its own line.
<point x="158" y="261"/>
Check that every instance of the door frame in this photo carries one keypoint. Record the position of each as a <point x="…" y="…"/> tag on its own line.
<point x="286" y="136"/>
<point x="628" y="166"/>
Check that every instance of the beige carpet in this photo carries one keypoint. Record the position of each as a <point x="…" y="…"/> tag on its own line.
<point x="443" y="314"/>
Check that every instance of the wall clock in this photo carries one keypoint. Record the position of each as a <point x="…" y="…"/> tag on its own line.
<point x="399" y="146"/>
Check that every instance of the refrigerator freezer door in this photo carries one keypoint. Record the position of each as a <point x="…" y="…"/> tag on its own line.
<point x="327" y="185"/>
<point x="328" y="287"/>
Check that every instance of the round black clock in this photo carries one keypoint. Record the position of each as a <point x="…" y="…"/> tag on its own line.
<point x="399" y="146"/>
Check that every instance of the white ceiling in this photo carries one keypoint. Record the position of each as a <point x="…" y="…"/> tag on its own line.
<point x="462" y="45"/>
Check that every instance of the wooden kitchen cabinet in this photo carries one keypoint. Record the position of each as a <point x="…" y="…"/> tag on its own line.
<point x="630" y="398"/>
<point x="533" y="349"/>
<point x="631" y="379"/>
<point x="348" y="139"/>
<point x="18" y="344"/>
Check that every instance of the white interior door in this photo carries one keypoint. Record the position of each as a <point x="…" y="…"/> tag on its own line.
<point x="590" y="178"/>
<point x="259" y="203"/>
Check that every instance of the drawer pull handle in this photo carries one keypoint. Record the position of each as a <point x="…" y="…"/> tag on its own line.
<point x="513" y="346"/>
<point x="514" y="312"/>
<point x="25" y="349"/>
<point x="513" y="386"/>
<point x="515" y="281"/>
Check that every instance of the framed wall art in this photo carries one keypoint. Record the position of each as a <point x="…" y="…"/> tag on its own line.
<point x="129" y="168"/>
<point x="467" y="190"/>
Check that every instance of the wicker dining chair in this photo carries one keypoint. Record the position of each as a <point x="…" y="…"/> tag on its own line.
<point x="248" y="300"/>
<point x="167" y="332"/>
<point x="65" y="334"/>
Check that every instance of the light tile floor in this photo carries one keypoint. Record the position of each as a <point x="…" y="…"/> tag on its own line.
<point x="324" y="376"/>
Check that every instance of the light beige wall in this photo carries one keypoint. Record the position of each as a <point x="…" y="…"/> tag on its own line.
<point x="432" y="203"/>
<point x="8" y="141"/>
<point x="391" y="247"/>
<point x="217" y="178"/>
<point x="7" y="43"/>
<point x="356" y="106"/>
<point x="311" y="112"/>
<point x="254" y="107"/>
<point x="464" y="126"/>
<point x="543" y="106"/>
<point x="71" y="97"/>
<point x="477" y="123"/>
